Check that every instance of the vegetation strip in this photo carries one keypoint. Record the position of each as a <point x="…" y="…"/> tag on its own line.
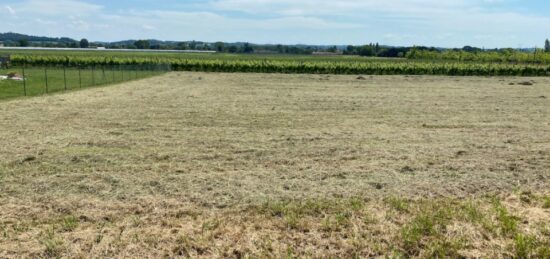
<point x="493" y="226"/>
<point x="287" y="64"/>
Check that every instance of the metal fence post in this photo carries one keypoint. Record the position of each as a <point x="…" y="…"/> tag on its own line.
<point x="24" y="81"/>
<point x="65" y="77"/>
<point x="46" y="78"/>
<point x="79" y="77"/>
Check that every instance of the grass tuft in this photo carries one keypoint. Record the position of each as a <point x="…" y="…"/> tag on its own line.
<point x="69" y="223"/>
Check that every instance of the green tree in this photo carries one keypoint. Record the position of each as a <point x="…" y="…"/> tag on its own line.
<point x="367" y="50"/>
<point x="547" y="45"/>
<point x="182" y="46"/>
<point x="23" y="43"/>
<point x="280" y="48"/>
<point x="233" y="49"/>
<point x="142" y="44"/>
<point x="219" y="46"/>
<point x="84" y="43"/>
<point x="247" y="48"/>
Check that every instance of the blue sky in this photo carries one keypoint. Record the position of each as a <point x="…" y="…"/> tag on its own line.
<point x="445" y="23"/>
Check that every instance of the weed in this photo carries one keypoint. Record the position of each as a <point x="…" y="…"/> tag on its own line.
<point x="356" y="204"/>
<point x="98" y="238"/>
<point x="136" y="222"/>
<point x="524" y="245"/>
<point x="421" y="226"/>
<point x="69" y="223"/>
<point x="53" y="245"/>
<point x="471" y="211"/>
<point x="442" y="248"/>
<point x="399" y="204"/>
<point x="546" y="202"/>
<point x="5" y="233"/>
<point x="290" y="253"/>
<point x="506" y="222"/>
<point x="210" y="225"/>
<point x="20" y="227"/>
<point x="291" y="220"/>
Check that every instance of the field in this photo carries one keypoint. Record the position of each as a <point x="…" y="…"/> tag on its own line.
<point x="289" y="64"/>
<point x="50" y="79"/>
<point x="273" y="165"/>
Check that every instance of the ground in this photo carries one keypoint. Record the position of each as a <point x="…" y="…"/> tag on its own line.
<point x="218" y="165"/>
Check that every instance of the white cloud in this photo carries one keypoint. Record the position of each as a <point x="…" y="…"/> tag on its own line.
<point x="148" y="27"/>
<point x="450" y="23"/>
<point x="57" y="7"/>
<point x="10" y="10"/>
<point x="341" y="7"/>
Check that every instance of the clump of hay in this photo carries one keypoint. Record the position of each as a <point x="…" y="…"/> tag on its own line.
<point x="14" y="75"/>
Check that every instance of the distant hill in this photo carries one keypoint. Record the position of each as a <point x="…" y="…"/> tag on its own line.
<point x="16" y="37"/>
<point x="11" y="39"/>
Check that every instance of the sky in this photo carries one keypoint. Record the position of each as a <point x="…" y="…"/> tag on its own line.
<point x="441" y="23"/>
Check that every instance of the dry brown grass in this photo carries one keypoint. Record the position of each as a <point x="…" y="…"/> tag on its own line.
<point x="199" y="164"/>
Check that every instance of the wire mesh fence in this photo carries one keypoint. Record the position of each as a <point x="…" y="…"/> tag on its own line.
<point x="24" y="80"/>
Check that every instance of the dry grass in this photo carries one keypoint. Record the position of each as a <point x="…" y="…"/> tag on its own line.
<point x="199" y="164"/>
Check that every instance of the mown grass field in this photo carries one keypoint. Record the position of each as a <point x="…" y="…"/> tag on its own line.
<point x="270" y="165"/>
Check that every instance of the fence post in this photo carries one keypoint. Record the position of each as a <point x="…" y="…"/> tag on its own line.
<point x="113" y="70"/>
<point x="79" y="77"/>
<point x="103" y="71"/>
<point x="93" y="75"/>
<point x="122" y="71"/>
<point x="46" y="77"/>
<point x="24" y="82"/>
<point x="65" y="77"/>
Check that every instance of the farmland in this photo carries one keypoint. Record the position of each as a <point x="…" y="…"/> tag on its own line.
<point x="291" y="64"/>
<point x="279" y="165"/>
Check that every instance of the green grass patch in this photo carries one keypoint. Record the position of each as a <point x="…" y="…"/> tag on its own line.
<point x="43" y="80"/>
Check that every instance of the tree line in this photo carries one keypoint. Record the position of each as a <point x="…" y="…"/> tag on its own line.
<point x="466" y="53"/>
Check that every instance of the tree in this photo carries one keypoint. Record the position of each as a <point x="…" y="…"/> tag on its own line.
<point x="219" y="46"/>
<point x="247" y="48"/>
<point x="23" y="43"/>
<point x="142" y="44"/>
<point x="367" y="50"/>
<point x="84" y="44"/>
<point x="547" y="45"/>
<point x="182" y="46"/>
<point x="233" y="49"/>
<point x="280" y="48"/>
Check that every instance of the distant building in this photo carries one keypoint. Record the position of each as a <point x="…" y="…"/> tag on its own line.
<point x="323" y="53"/>
<point x="102" y="48"/>
<point x="1" y="44"/>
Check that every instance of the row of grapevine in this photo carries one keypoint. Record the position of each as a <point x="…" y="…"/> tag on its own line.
<point x="505" y="56"/>
<point x="374" y="67"/>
